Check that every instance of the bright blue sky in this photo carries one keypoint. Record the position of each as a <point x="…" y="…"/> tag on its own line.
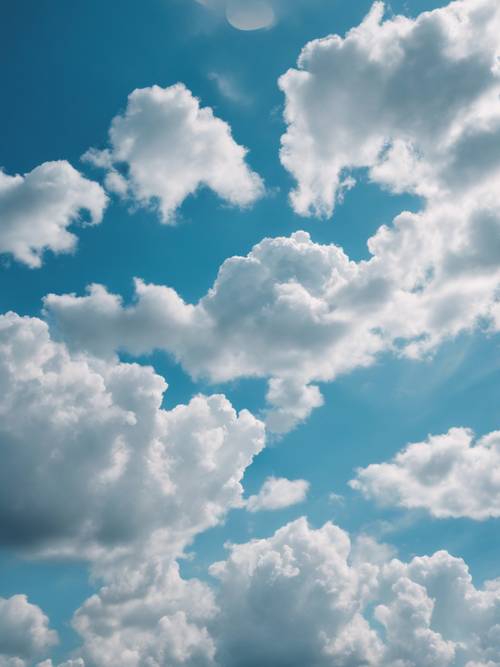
<point x="67" y="70"/>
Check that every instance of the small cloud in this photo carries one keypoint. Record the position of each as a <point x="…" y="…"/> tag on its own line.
<point x="229" y="88"/>
<point x="335" y="499"/>
<point x="277" y="493"/>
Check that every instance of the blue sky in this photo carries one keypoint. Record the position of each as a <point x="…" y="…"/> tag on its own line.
<point x="67" y="71"/>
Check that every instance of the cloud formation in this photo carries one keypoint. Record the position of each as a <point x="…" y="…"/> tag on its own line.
<point x="303" y="596"/>
<point x="414" y="101"/>
<point x="298" y="312"/>
<point x="164" y="147"/>
<point x="91" y="463"/>
<point x="147" y="615"/>
<point x="37" y="209"/>
<point x="450" y="475"/>
<point x="24" y="632"/>
<point x="108" y="474"/>
<point x="306" y="596"/>
<point x="277" y="493"/>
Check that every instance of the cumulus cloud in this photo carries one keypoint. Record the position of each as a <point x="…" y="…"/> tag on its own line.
<point x="277" y="493"/>
<point x="37" y="209"/>
<point x="303" y="596"/>
<point x="91" y="463"/>
<point x="450" y="475"/>
<point x="306" y="596"/>
<point x="293" y="599"/>
<point x="147" y="615"/>
<point x="413" y="101"/>
<point x="298" y="312"/>
<point x="291" y="402"/>
<point x="24" y="632"/>
<point x="164" y="147"/>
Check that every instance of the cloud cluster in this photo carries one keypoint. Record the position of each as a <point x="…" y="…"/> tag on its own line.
<point x="296" y="312"/>
<point x="36" y="210"/>
<point x="303" y="596"/>
<point x="277" y="493"/>
<point x="307" y="596"/>
<point x="94" y="466"/>
<point x="450" y="475"/>
<point x="164" y="147"/>
<point x="24" y="632"/>
<point x="91" y="463"/>
<point x="413" y="101"/>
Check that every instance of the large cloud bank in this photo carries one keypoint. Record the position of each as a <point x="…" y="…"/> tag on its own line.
<point x="300" y="597"/>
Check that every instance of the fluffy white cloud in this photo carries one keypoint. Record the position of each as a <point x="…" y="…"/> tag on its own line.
<point x="92" y="464"/>
<point x="291" y="402"/>
<point x="277" y="493"/>
<point x="24" y="632"/>
<point x="147" y="615"/>
<point x="307" y="596"/>
<point x="297" y="312"/>
<point x="414" y="101"/>
<point x="36" y="210"/>
<point x="303" y="596"/>
<point x="449" y="475"/>
<point x="167" y="147"/>
<point x="293" y="599"/>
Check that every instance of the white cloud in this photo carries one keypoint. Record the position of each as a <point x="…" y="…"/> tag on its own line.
<point x="277" y="493"/>
<point x="293" y="599"/>
<point x="147" y="615"/>
<point x="413" y="101"/>
<point x="306" y="596"/>
<point x="297" y="312"/>
<point x="37" y="209"/>
<point x="450" y="475"/>
<point x="87" y="438"/>
<point x="170" y="147"/>
<point x="24" y="632"/>
<point x="291" y="402"/>
<point x="303" y="596"/>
